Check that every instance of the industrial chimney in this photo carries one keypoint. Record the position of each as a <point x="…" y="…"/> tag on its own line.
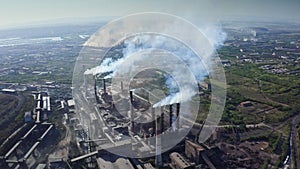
<point x="153" y="120"/>
<point x="171" y="115"/>
<point x="162" y="119"/>
<point x="104" y="86"/>
<point x="177" y="115"/>
<point x="84" y="79"/>
<point x="122" y="87"/>
<point x="131" y="110"/>
<point x="95" y="89"/>
<point x="159" y="127"/>
<point x="131" y="96"/>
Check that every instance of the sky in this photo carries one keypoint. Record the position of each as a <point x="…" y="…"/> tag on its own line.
<point x="22" y="12"/>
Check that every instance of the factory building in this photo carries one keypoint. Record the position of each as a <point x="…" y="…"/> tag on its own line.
<point x="178" y="162"/>
<point x="120" y="163"/>
<point x="9" y="91"/>
<point x="138" y="125"/>
<point x="43" y="107"/>
<point x="193" y="152"/>
<point x="71" y="103"/>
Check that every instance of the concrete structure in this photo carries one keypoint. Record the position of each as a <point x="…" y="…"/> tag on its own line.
<point x="148" y="166"/>
<point x="38" y="117"/>
<point x="171" y="115"/>
<point x="26" y="141"/>
<point x="177" y="116"/>
<point x="71" y="103"/>
<point x="10" y="91"/>
<point x="204" y="85"/>
<point x="132" y="127"/>
<point x="39" y="97"/>
<point x="49" y="104"/>
<point x="46" y="132"/>
<point x="26" y="156"/>
<point x="120" y="163"/>
<point x="41" y="166"/>
<point x="197" y="153"/>
<point x="104" y="86"/>
<point x="29" y="132"/>
<point x="38" y="104"/>
<point x="84" y="156"/>
<point x="122" y="87"/>
<point x="159" y="128"/>
<point x="153" y="120"/>
<point x="193" y="152"/>
<point x="178" y="162"/>
<point x="246" y="104"/>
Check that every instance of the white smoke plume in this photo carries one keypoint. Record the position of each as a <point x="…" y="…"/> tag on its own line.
<point x="216" y="37"/>
<point x="185" y="94"/>
<point x="198" y="67"/>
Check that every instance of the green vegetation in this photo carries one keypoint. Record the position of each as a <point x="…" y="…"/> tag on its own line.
<point x="29" y="78"/>
<point x="275" y="141"/>
<point x="8" y="103"/>
<point x="248" y="82"/>
<point x="275" y="98"/>
<point x="266" y="163"/>
<point x="12" y="111"/>
<point x="272" y="138"/>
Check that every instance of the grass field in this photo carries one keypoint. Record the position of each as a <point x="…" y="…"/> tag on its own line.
<point x="12" y="108"/>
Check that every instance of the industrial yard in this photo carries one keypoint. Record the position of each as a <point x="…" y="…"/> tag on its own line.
<point x="48" y="123"/>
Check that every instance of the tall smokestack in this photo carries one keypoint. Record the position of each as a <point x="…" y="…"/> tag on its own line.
<point x="162" y="119"/>
<point x="84" y="79"/>
<point x="95" y="89"/>
<point x="131" y="96"/>
<point x="122" y="87"/>
<point x="171" y="115"/>
<point x="177" y="115"/>
<point x="153" y="120"/>
<point x="95" y="82"/>
<point x="104" y="86"/>
<point x="131" y="110"/>
<point x="158" y="157"/>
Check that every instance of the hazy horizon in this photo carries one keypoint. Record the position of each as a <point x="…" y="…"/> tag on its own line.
<point x="28" y="12"/>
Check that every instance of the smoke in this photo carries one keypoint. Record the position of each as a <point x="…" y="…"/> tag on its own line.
<point x="185" y="94"/>
<point x="199" y="67"/>
<point x="216" y="37"/>
<point x="107" y="65"/>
